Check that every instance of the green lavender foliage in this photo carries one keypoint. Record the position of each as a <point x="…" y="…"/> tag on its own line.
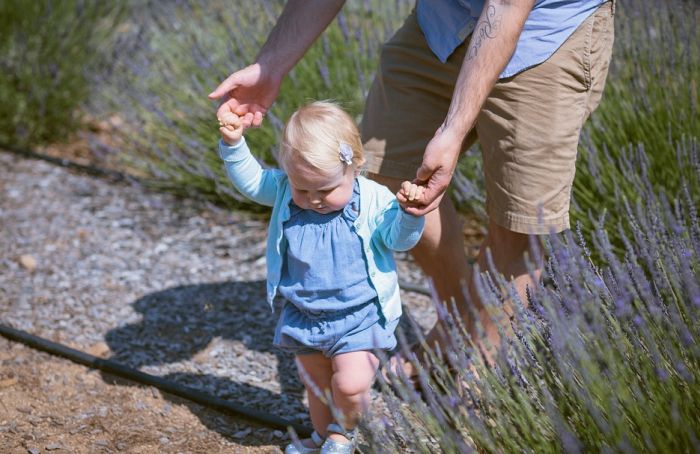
<point x="606" y="358"/>
<point x="649" y="111"/>
<point x="178" y="52"/>
<point x="47" y="51"/>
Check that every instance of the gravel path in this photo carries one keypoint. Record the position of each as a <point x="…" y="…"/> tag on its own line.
<point x="166" y="285"/>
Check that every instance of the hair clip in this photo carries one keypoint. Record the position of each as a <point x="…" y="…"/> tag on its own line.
<point x="345" y="153"/>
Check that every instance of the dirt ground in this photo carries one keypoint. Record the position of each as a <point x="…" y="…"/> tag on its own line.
<point x="51" y="405"/>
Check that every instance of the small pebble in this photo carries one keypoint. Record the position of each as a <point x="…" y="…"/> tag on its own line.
<point x="241" y="433"/>
<point x="28" y="262"/>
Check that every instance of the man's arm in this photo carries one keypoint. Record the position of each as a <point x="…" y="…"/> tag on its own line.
<point x="251" y="91"/>
<point x="299" y="25"/>
<point x="492" y="44"/>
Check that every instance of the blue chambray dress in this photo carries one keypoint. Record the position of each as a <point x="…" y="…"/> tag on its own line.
<point x="331" y="306"/>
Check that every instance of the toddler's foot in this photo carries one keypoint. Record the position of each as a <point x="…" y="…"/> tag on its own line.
<point x="306" y="446"/>
<point x="339" y="441"/>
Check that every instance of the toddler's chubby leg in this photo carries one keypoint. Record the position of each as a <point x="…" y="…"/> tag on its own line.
<point x="318" y="369"/>
<point x="353" y="374"/>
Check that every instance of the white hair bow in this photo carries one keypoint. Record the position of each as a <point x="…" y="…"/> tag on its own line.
<point x="345" y="152"/>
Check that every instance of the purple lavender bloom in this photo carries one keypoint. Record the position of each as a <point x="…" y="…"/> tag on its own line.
<point x="343" y="24"/>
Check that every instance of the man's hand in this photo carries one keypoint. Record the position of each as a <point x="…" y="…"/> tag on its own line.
<point x="247" y="93"/>
<point x="435" y="173"/>
<point x="250" y="92"/>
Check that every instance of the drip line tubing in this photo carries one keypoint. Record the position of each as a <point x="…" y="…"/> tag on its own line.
<point x="135" y="375"/>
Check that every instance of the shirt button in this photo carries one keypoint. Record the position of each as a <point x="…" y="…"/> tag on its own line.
<point x="372" y="273"/>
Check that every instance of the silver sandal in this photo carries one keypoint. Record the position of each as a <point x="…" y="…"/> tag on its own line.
<point x="299" y="448"/>
<point x="336" y="447"/>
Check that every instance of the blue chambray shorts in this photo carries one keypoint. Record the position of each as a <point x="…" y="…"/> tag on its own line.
<point x="332" y="333"/>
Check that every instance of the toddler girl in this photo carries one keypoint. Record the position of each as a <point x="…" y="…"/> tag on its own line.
<point x="329" y="254"/>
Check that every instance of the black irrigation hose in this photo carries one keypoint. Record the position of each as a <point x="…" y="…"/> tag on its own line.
<point x="168" y="386"/>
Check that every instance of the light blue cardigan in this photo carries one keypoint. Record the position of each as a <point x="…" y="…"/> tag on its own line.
<point x="381" y="225"/>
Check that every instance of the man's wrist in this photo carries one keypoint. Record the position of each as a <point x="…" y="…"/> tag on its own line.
<point x="272" y="68"/>
<point x="456" y="129"/>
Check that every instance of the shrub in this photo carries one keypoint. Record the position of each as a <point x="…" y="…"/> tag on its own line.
<point x="180" y="51"/>
<point x="606" y="359"/>
<point x="48" y="49"/>
<point x="648" y="113"/>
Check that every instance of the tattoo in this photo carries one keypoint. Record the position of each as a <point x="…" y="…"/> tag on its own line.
<point x="486" y="29"/>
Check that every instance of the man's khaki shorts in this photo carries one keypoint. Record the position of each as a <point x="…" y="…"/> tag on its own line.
<point x="528" y="128"/>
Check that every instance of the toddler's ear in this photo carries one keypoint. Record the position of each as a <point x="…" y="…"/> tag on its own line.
<point x="358" y="163"/>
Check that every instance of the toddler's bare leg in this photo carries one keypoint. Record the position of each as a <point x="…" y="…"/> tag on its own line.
<point x="353" y="374"/>
<point x="319" y="370"/>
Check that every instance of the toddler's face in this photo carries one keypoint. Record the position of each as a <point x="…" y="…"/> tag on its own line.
<point x="312" y="190"/>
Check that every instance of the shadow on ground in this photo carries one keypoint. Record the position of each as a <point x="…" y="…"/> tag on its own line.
<point x="189" y="323"/>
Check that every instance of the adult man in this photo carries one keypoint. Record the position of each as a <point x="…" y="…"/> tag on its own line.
<point x="522" y="75"/>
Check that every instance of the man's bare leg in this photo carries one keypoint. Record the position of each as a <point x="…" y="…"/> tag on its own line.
<point x="508" y="250"/>
<point x="440" y="254"/>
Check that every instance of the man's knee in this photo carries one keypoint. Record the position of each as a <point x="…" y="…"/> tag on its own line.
<point x="503" y="239"/>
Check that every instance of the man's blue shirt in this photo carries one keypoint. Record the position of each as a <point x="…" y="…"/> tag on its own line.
<point x="447" y="23"/>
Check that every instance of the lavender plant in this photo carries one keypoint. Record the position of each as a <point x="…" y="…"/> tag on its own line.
<point x="606" y="359"/>
<point x="649" y="110"/>
<point x="180" y="51"/>
<point x="48" y="48"/>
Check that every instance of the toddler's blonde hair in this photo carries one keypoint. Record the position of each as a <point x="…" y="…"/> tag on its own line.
<point x="313" y="134"/>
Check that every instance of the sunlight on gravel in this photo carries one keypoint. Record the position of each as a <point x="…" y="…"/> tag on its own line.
<point x="162" y="284"/>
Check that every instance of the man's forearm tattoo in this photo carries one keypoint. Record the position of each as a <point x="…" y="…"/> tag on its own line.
<point x="486" y="29"/>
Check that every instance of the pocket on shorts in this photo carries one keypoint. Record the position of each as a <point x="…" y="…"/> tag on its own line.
<point x="587" y="44"/>
<point x="599" y="36"/>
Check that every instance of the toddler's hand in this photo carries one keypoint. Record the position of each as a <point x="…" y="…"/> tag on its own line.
<point x="231" y="127"/>
<point x="409" y="194"/>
